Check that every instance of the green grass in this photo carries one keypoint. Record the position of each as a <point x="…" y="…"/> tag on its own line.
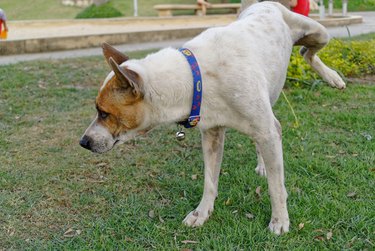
<point x="136" y="196"/>
<point x="48" y="9"/>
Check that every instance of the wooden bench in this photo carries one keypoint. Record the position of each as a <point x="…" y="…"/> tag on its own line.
<point x="165" y="10"/>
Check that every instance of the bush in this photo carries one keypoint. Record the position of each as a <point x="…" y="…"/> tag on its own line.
<point x="354" y="5"/>
<point x="350" y="58"/>
<point x="102" y="11"/>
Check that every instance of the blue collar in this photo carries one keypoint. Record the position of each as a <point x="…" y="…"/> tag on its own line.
<point x="197" y="96"/>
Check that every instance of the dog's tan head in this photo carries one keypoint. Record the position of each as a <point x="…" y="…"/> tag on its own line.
<point x="120" y="106"/>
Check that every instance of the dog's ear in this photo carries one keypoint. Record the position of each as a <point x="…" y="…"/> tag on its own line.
<point x="111" y="52"/>
<point x="127" y="78"/>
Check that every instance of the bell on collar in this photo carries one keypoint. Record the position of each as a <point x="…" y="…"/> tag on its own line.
<point x="180" y="135"/>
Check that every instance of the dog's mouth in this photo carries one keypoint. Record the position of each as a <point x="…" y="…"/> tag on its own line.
<point x="116" y="142"/>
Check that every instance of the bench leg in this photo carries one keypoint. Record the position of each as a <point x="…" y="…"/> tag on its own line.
<point x="199" y="13"/>
<point x="165" y="13"/>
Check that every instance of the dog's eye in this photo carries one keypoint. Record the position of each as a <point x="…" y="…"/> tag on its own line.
<point x="103" y="115"/>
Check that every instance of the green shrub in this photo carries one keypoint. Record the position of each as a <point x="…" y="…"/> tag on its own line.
<point x="349" y="58"/>
<point x="354" y="5"/>
<point x="102" y="11"/>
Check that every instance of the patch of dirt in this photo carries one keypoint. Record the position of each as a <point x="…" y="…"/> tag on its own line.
<point x="368" y="80"/>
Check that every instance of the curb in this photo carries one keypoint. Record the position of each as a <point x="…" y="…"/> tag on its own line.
<point x="87" y="41"/>
<point x="337" y="20"/>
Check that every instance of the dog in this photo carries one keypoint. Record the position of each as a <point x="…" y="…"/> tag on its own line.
<point x="243" y="69"/>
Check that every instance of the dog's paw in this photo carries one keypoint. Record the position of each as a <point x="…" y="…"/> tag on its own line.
<point x="261" y="170"/>
<point x="197" y="217"/>
<point x="279" y="226"/>
<point x="334" y="80"/>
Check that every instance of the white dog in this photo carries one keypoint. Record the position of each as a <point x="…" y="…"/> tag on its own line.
<point x="243" y="69"/>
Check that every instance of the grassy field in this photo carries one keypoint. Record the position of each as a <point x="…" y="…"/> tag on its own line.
<point x="55" y="195"/>
<point x="47" y="9"/>
<point x="53" y="9"/>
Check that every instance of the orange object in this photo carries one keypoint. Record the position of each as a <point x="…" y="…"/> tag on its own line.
<point x="3" y="34"/>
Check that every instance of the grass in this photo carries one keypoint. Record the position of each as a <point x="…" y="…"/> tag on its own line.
<point x="48" y="9"/>
<point x="56" y="195"/>
<point x="362" y="37"/>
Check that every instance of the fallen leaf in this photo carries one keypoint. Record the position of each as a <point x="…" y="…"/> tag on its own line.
<point x="367" y="136"/>
<point x="329" y="235"/>
<point x="189" y="242"/>
<point x="319" y="238"/>
<point x="249" y="216"/>
<point x="235" y="211"/>
<point x="161" y="219"/>
<point x="352" y="195"/>
<point x="330" y="156"/>
<point x="101" y="164"/>
<point x="71" y="233"/>
<point x="12" y="233"/>
<point x="258" y="191"/>
<point x="194" y="176"/>
<point x="301" y="225"/>
<point x="227" y="202"/>
<point x="151" y="214"/>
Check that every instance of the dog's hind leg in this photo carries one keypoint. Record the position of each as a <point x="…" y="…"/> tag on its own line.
<point x="266" y="132"/>
<point x="312" y="36"/>
<point x="213" y="146"/>
<point x="329" y="75"/>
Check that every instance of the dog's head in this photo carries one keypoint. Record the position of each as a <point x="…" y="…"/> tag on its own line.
<point x="120" y="106"/>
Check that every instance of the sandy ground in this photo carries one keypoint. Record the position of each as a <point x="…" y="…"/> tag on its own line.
<point x="58" y="28"/>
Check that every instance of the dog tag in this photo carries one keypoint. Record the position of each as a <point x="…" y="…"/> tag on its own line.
<point x="180" y="135"/>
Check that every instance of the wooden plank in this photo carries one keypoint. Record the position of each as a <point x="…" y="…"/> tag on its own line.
<point x="166" y="9"/>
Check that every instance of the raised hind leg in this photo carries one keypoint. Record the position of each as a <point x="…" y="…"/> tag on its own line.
<point x="312" y="36"/>
<point x="329" y="75"/>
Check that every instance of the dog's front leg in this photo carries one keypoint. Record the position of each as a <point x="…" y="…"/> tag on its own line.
<point x="213" y="145"/>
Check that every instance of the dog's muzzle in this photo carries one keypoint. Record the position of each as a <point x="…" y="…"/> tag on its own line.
<point x="86" y="142"/>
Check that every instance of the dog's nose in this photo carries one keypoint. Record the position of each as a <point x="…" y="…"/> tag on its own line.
<point x="85" y="142"/>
